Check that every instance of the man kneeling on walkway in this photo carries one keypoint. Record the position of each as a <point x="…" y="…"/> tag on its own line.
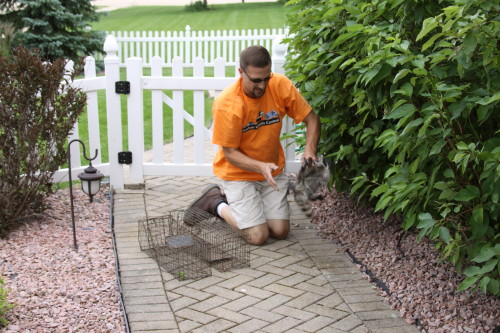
<point x="248" y="116"/>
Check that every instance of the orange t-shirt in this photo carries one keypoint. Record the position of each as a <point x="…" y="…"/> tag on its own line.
<point x="254" y="125"/>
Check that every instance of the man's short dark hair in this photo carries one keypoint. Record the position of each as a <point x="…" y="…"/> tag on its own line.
<point x="255" y="56"/>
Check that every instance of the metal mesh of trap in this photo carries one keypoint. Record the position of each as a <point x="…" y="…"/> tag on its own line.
<point x="187" y="243"/>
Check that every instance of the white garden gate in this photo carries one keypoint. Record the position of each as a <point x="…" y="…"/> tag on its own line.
<point x="183" y="157"/>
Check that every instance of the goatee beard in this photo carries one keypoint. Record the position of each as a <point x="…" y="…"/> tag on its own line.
<point x="258" y="92"/>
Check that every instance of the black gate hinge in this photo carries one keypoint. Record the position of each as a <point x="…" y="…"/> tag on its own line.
<point x="125" y="157"/>
<point x="122" y="87"/>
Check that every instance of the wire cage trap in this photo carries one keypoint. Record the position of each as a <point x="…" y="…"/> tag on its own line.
<point x="187" y="244"/>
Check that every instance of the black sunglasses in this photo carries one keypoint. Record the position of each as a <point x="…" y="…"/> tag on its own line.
<point x="254" y="80"/>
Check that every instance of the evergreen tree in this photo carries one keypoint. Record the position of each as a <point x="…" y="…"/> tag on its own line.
<point x="58" y="28"/>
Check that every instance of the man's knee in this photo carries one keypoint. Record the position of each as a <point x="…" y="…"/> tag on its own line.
<point x="279" y="229"/>
<point x="257" y="235"/>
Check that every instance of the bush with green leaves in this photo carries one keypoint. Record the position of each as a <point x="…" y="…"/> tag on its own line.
<point x="38" y="109"/>
<point x="196" y="6"/>
<point x="5" y="305"/>
<point x="408" y="93"/>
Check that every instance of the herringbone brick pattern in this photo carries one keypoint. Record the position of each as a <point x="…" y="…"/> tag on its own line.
<point x="301" y="284"/>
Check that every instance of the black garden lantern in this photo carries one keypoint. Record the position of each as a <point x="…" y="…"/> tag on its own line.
<point x="91" y="183"/>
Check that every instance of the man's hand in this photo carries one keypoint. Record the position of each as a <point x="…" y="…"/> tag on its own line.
<point x="266" y="169"/>
<point x="308" y="156"/>
<point x="237" y="158"/>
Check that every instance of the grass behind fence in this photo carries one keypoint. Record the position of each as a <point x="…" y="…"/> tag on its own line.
<point x="175" y="18"/>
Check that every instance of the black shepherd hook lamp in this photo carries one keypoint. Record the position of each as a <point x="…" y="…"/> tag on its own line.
<point x="91" y="182"/>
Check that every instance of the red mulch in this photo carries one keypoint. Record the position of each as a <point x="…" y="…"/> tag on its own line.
<point x="420" y="287"/>
<point x="54" y="288"/>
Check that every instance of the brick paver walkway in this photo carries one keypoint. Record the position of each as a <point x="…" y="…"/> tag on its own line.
<point x="301" y="284"/>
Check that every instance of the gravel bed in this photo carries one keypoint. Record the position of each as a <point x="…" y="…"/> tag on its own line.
<point x="420" y="288"/>
<point x="55" y="288"/>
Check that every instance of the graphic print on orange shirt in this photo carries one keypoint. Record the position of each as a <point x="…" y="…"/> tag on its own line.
<point x="264" y="119"/>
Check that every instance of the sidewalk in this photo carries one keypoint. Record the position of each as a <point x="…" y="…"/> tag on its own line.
<point x="301" y="284"/>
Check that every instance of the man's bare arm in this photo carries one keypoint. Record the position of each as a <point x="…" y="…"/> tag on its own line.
<point x="313" y="132"/>
<point x="242" y="161"/>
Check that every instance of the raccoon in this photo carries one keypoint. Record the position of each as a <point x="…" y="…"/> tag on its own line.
<point x="312" y="175"/>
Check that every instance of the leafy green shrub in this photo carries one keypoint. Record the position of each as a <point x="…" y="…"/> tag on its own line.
<point x="196" y="6"/>
<point x="407" y="91"/>
<point x="38" y="109"/>
<point x="5" y="306"/>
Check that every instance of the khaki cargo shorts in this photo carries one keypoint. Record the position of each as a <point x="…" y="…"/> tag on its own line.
<point x="254" y="202"/>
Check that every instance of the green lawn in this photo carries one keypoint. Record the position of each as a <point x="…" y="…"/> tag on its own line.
<point x="157" y="18"/>
<point x="219" y="17"/>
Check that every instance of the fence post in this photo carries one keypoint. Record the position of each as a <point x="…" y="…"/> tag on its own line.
<point x="156" y="46"/>
<point x="199" y="113"/>
<point x="157" y="110"/>
<point x="178" y="116"/>
<point x="144" y="43"/>
<point x="187" y="56"/>
<point x="212" y="47"/>
<point x="75" y="150"/>
<point x="168" y="57"/>
<point x="147" y="57"/>
<point x="113" y="107"/>
<point x="125" y="46"/>
<point x="135" y="114"/>
<point x="93" y="112"/>
<point x="279" y="51"/>
<point x="219" y="71"/>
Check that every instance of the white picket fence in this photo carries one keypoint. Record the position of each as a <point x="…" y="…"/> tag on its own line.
<point x="158" y="163"/>
<point x="189" y="45"/>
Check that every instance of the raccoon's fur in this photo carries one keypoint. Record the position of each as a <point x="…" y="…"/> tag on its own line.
<point x="312" y="175"/>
